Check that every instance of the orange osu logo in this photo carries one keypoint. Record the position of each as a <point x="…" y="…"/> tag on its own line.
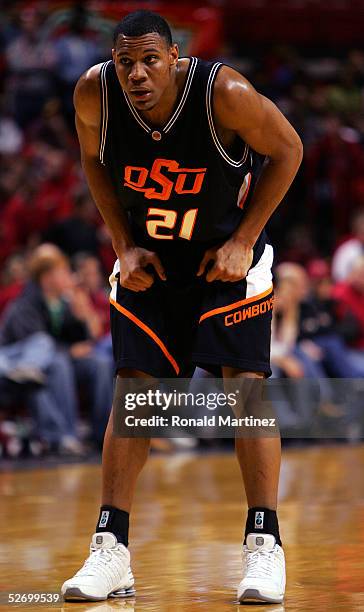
<point x="186" y="181"/>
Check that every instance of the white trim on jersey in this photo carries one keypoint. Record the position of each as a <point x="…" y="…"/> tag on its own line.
<point x="214" y="135"/>
<point x="113" y="280"/>
<point x="104" y="111"/>
<point x="244" y="190"/>
<point x="259" y="278"/>
<point x="136" y="115"/>
<point x="186" y="90"/>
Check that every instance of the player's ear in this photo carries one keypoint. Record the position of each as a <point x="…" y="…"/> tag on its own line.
<point x="173" y="54"/>
<point x="113" y="53"/>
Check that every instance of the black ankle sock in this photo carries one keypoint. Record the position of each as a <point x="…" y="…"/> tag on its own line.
<point x="262" y="520"/>
<point x="116" y="521"/>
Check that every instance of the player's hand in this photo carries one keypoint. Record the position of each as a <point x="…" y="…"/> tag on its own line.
<point x="232" y="261"/>
<point x="133" y="262"/>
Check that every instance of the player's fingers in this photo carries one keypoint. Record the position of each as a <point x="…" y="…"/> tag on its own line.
<point x="136" y="287"/>
<point x="209" y="256"/>
<point x="143" y="277"/>
<point x="226" y="278"/>
<point x="157" y="264"/>
<point x="233" y="278"/>
<point x="214" y="274"/>
<point x="133" y="284"/>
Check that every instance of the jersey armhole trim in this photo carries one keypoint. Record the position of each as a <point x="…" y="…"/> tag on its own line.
<point x="104" y="111"/>
<point x="209" y="109"/>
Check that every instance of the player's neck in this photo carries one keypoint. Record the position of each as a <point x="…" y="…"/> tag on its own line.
<point x="159" y="115"/>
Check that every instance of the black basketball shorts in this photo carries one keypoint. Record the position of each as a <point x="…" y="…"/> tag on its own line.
<point x="172" y="327"/>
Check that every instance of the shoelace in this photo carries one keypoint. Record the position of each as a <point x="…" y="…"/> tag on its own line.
<point x="98" y="559"/>
<point x="259" y="563"/>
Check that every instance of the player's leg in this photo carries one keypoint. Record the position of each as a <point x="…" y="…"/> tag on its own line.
<point x="122" y="462"/>
<point x="107" y="570"/>
<point x="263" y="557"/>
<point x="259" y="459"/>
<point x="142" y="349"/>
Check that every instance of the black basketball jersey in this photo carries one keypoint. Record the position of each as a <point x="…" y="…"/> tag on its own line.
<point x="178" y="182"/>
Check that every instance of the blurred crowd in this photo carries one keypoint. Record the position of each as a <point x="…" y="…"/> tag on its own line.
<point x="55" y="353"/>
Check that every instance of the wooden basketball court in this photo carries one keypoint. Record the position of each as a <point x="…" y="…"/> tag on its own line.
<point x="186" y="531"/>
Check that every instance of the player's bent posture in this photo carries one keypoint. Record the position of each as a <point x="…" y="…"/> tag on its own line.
<point x="173" y="152"/>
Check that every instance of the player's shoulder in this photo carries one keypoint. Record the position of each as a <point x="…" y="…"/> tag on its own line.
<point x="87" y="93"/>
<point x="230" y="84"/>
<point x="234" y="96"/>
<point x="88" y="84"/>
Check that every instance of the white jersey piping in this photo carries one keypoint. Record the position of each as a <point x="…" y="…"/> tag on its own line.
<point x="104" y="110"/>
<point x="214" y="135"/>
<point x="187" y="86"/>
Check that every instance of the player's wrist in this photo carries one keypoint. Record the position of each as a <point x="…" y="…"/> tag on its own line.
<point x="122" y="246"/>
<point x="243" y="240"/>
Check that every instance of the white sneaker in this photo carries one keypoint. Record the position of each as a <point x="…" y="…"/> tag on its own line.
<point x="264" y="574"/>
<point x="105" y="573"/>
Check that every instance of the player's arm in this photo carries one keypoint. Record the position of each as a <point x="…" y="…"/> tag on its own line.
<point x="133" y="258"/>
<point x="240" y="109"/>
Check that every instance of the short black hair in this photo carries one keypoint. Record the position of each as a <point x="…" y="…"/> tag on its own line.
<point x="143" y="22"/>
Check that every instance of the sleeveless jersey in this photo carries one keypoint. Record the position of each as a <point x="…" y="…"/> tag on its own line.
<point x="177" y="182"/>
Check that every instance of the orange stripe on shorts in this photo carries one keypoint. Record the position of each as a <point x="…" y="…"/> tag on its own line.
<point x="148" y="331"/>
<point x="215" y="311"/>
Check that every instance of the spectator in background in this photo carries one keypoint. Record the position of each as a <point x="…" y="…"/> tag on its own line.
<point x="295" y="405"/>
<point x="57" y="181"/>
<point x="306" y="325"/>
<point x="299" y="245"/>
<point x="349" y="251"/>
<point x="333" y="165"/>
<point x="50" y="304"/>
<point x="319" y="346"/>
<point x="13" y="279"/>
<point x="345" y="96"/>
<point x="14" y="173"/>
<point x="91" y="279"/>
<point x="321" y="334"/>
<point x="287" y="356"/>
<point x="51" y="128"/>
<point x="306" y="344"/>
<point x="30" y="61"/>
<point x="78" y="231"/>
<point x="15" y="236"/>
<point x="11" y="136"/>
<point x="43" y="199"/>
<point x="350" y="302"/>
<point x="75" y="52"/>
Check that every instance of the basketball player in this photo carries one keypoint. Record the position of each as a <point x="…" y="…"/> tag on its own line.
<point x="173" y="152"/>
